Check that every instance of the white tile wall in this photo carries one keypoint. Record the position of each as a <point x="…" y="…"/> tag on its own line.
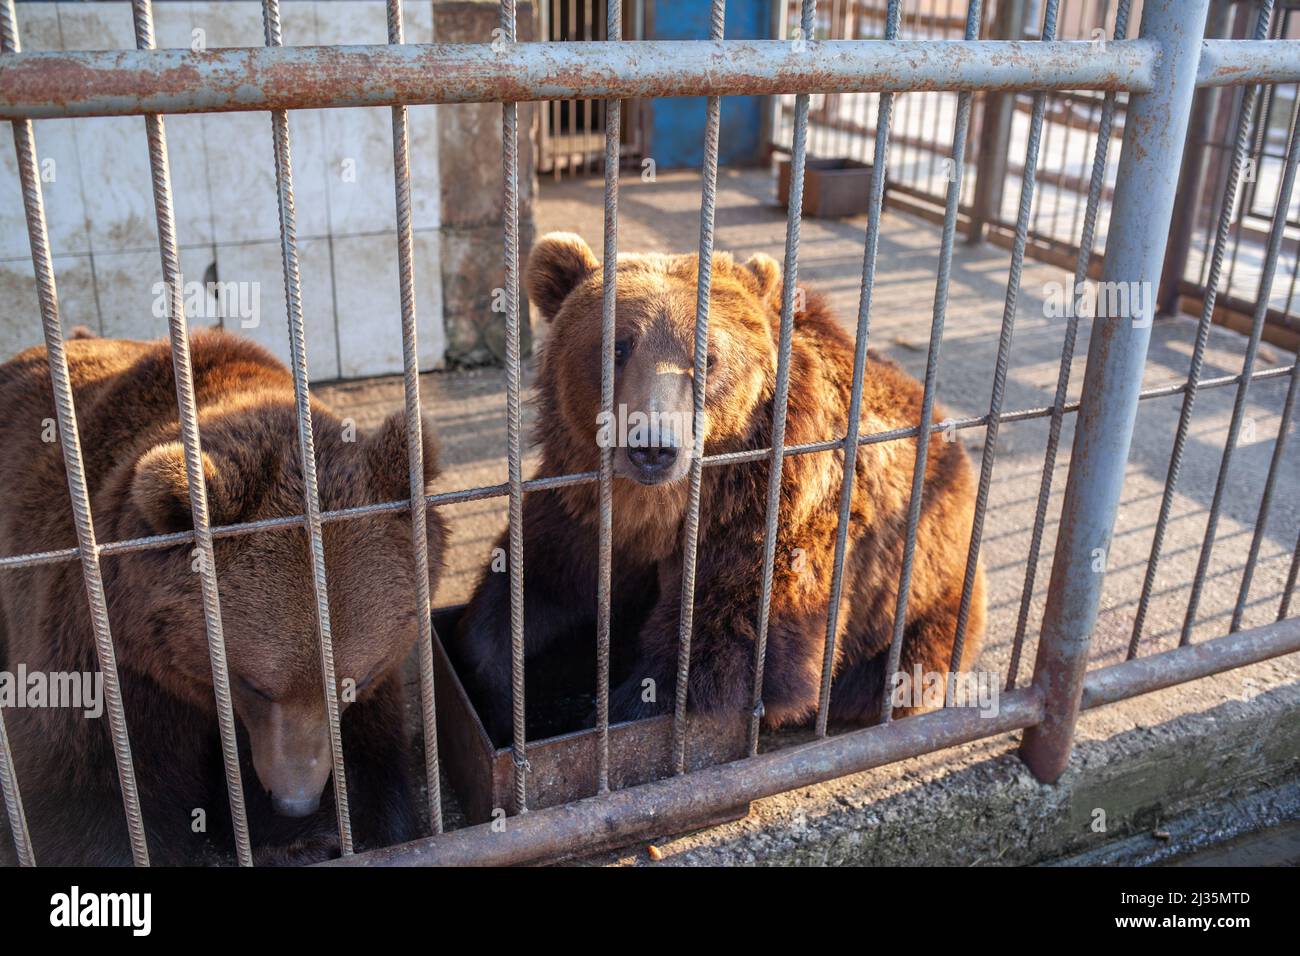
<point x="20" y="327"/>
<point x="99" y="200"/>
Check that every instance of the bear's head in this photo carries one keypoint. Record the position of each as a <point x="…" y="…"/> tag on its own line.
<point x="267" y="579"/>
<point x="653" y="428"/>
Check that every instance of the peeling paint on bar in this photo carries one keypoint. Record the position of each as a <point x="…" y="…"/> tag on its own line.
<point x="1235" y="62"/>
<point x="124" y="82"/>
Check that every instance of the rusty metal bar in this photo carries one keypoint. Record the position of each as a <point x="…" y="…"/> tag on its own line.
<point x="879" y="172"/>
<point x="1182" y="664"/>
<point x="1245" y="119"/>
<point x="514" y="424"/>
<point x="781" y="401"/>
<point x="1154" y="133"/>
<point x="993" y="154"/>
<point x="1261" y="519"/>
<point x="1087" y="238"/>
<point x="988" y="456"/>
<point x="931" y="377"/>
<point x="673" y="803"/>
<point x="670" y="805"/>
<point x="414" y="435"/>
<point x="128" y="82"/>
<point x="604" y="572"/>
<point x="691" y="530"/>
<point x="1284" y="607"/>
<point x="70" y="441"/>
<point x="1272" y="248"/>
<point x="1234" y="62"/>
<point x="183" y="372"/>
<point x="14" y="801"/>
<point x="306" y="440"/>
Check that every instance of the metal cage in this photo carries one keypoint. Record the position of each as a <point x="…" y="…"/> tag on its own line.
<point x="1160" y="70"/>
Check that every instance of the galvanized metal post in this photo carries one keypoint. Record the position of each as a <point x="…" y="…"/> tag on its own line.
<point x="1144" y="200"/>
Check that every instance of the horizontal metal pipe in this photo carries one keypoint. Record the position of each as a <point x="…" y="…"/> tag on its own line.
<point x="1237" y="62"/>
<point x="670" y="805"/>
<point x="1190" y="662"/>
<point x="550" y="483"/>
<point x="124" y="82"/>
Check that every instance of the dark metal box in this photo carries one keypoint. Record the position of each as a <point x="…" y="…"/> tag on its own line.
<point x="563" y="767"/>
<point x="832" y="188"/>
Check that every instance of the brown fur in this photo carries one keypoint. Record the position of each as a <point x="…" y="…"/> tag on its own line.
<point x="130" y="439"/>
<point x="656" y="313"/>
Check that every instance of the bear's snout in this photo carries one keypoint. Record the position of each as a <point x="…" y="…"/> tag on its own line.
<point x="301" y="806"/>
<point x="653" y="460"/>
<point x="291" y="754"/>
<point x="656" y="405"/>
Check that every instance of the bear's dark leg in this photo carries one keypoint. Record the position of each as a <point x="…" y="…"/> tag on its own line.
<point x="927" y="645"/>
<point x="856" y="690"/>
<point x="378" y="752"/>
<point x="559" y="598"/>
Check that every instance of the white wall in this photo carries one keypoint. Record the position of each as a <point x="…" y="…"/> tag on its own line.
<point x="99" y="200"/>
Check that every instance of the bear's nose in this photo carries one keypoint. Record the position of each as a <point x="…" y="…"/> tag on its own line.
<point x="652" y="460"/>
<point x="295" y="806"/>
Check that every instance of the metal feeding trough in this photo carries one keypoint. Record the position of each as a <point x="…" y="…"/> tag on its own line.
<point x="832" y="188"/>
<point x="562" y="758"/>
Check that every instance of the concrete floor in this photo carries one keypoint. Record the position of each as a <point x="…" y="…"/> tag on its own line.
<point x="468" y="408"/>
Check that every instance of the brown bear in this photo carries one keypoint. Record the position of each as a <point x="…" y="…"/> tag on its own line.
<point x="125" y="401"/>
<point x="653" y="355"/>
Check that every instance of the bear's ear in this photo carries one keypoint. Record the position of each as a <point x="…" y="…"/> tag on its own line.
<point x="386" y="457"/>
<point x="162" y="495"/>
<point x="767" y="272"/>
<point x="558" y="262"/>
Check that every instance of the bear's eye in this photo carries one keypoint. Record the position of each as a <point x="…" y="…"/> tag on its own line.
<point x="712" y="362"/>
<point x="253" y="689"/>
<point x="622" y="349"/>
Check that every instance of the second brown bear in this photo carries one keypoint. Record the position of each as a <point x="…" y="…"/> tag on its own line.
<point x="653" y="353"/>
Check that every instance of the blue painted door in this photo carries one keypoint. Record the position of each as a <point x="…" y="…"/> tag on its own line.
<point x="677" y="123"/>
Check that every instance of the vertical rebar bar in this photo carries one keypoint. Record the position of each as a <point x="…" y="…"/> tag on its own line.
<point x="74" y="465"/>
<point x="1266" y="502"/>
<point x="1272" y="248"/>
<point x="514" y="424"/>
<point x="1145" y="192"/>
<point x="182" y="369"/>
<point x="988" y="456"/>
<point x="781" y="402"/>
<point x="306" y="440"/>
<point x="1245" y="119"/>
<point x="1284" y="607"/>
<point x="604" y="596"/>
<point x="415" y="435"/>
<point x="879" y="171"/>
<point x="14" y="801"/>
<point x="704" y="277"/>
<point x="8" y="772"/>
<point x="931" y="375"/>
<point x="1087" y="238"/>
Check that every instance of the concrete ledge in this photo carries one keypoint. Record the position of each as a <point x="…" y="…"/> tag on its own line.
<point x="1194" y="764"/>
